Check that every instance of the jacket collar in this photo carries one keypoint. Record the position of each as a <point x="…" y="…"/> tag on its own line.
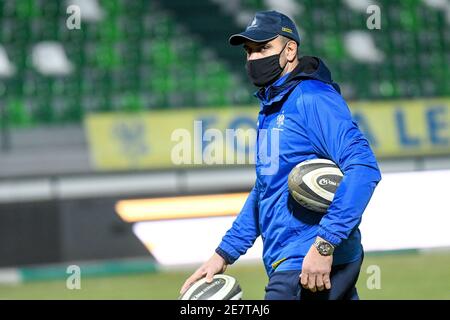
<point x="308" y="68"/>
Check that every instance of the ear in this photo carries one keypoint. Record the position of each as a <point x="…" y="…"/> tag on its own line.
<point x="291" y="51"/>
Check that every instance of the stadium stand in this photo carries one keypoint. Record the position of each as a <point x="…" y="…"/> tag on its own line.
<point x="135" y="55"/>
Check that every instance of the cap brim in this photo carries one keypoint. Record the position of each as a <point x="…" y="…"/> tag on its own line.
<point x="252" y="35"/>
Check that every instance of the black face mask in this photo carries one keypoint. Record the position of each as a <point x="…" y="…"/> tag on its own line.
<point x="263" y="72"/>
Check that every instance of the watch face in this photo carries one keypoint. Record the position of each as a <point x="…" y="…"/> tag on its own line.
<point x="324" y="248"/>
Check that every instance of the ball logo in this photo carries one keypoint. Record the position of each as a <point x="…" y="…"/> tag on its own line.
<point x="205" y="290"/>
<point x="327" y="182"/>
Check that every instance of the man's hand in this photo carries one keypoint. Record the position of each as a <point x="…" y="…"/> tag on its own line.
<point x="316" y="271"/>
<point x="216" y="264"/>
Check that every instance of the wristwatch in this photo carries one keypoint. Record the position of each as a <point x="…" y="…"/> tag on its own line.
<point x="324" y="247"/>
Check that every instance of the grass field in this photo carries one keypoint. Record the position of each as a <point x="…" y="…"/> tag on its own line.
<point x="406" y="276"/>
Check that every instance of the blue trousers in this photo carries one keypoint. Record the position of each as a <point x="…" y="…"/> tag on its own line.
<point x="285" y="285"/>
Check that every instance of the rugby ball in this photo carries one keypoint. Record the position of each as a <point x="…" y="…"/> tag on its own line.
<point x="222" y="287"/>
<point x="313" y="183"/>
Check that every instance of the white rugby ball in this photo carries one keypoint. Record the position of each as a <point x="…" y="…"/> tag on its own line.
<point x="223" y="287"/>
<point x="313" y="183"/>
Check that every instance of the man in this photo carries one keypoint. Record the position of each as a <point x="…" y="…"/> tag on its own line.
<point x="306" y="255"/>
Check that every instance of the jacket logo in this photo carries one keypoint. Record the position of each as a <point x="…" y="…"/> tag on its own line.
<point x="280" y="120"/>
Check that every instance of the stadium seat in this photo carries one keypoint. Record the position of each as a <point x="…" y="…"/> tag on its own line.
<point x="7" y="69"/>
<point x="49" y="58"/>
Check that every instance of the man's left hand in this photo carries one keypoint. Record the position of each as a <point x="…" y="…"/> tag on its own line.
<point x="316" y="271"/>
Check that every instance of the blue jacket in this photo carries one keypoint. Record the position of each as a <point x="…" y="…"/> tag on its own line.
<point x="306" y="114"/>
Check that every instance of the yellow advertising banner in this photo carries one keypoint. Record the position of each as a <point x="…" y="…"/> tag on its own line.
<point x="406" y="127"/>
<point x="189" y="137"/>
<point x="159" y="139"/>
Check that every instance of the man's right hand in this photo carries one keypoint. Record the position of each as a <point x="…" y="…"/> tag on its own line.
<point x="216" y="264"/>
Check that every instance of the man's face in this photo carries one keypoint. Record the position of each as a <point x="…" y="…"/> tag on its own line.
<point x="259" y="50"/>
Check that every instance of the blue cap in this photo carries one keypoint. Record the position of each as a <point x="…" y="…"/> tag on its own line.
<point x="266" y="26"/>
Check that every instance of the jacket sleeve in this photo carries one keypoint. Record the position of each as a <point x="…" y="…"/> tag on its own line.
<point x="334" y="135"/>
<point x="244" y="231"/>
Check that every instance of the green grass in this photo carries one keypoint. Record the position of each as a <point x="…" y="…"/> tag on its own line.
<point x="406" y="276"/>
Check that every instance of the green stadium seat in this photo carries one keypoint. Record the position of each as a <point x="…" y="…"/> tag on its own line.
<point x="18" y="113"/>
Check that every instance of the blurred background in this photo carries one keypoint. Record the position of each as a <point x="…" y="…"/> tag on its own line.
<point x="91" y="92"/>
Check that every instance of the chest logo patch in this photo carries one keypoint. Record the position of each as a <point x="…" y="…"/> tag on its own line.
<point x="280" y="120"/>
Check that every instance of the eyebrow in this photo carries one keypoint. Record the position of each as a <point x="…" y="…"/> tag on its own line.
<point x="260" y="45"/>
